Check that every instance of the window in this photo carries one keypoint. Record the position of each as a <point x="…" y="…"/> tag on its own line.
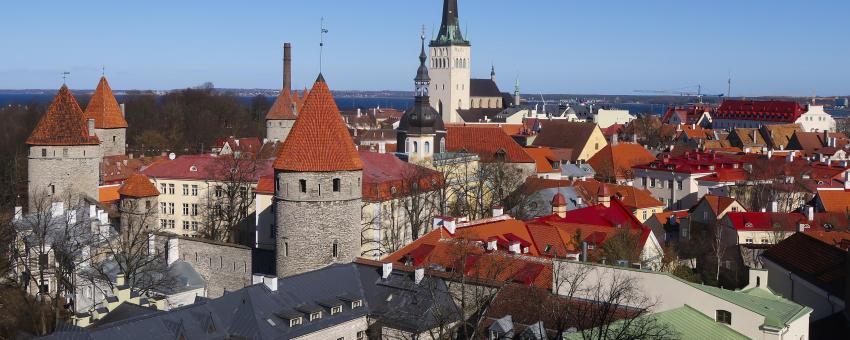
<point x="335" y="249"/>
<point x="163" y="207"/>
<point x="302" y="184"/>
<point x="643" y="181"/>
<point x="195" y="225"/>
<point x="315" y="315"/>
<point x="336" y="184"/>
<point x="644" y="214"/>
<point x="43" y="152"/>
<point x="163" y="223"/>
<point x="415" y="147"/>
<point x="194" y="209"/>
<point x="764" y="241"/>
<point x="670" y="184"/>
<point x="596" y="146"/>
<point x="217" y="191"/>
<point x="65" y="152"/>
<point x="336" y="309"/>
<point x="427" y="147"/>
<point x="185" y="209"/>
<point x="171" y="189"/>
<point x="679" y="184"/>
<point x="295" y="322"/>
<point x="185" y="190"/>
<point x="749" y="241"/>
<point x="171" y="208"/>
<point x="285" y="247"/>
<point x="171" y="224"/>
<point x="652" y="182"/>
<point x="185" y="225"/>
<point x="734" y="209"/>
<point x="194" y="190"/>
<point x="361" y="335"/>
<point x="724" y="316"/>
<point x="163" y="188"/>
<point x="356" y="304"/>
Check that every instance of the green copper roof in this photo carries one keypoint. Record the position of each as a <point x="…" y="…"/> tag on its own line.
<point x="691" y="324"/>
<point x="450" y="27"/>
<point x="778" y="312"/>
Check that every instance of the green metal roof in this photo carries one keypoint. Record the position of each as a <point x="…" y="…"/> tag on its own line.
<point x="687" y="323"/>
<point x="777" y="311"/>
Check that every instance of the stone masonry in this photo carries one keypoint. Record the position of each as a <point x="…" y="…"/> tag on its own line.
<point x="309" y="223"/>
<point x="112" y="141"/>
<point x="278" y="129"/>
<point x="223" y="266"/>
<point x="59" y="170"/>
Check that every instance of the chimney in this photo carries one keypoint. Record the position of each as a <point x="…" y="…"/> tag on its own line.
<point x="123" y="110"/>
<point x="583" y="252"/>
<point x="846" y="184"/>
<point x="614" y="139"/>
<point x="287" y="66"/>
<point x="770" y="154"/>
<point x="579" y="202"/>
<point x="498" y="210"/>
<point x="774" y="206"/>
<point x="382" y="148"/>
<point x="119" y="279"/>
<point x="634" y="138"/>
<point x="514" y="247"/>
<point x="92" y="211"/>
<point x="19" y="213"/>
<point x="387" y="269"/>
<point x="449" y="224"/>
<point x="418" y="275"/>
<point x="790" y="157"/>
<point x="492" y="245"/>
<point x="359" y="113"/>
<point x="173" y="251"/>
<point x="437" y="221"/>
<point x="57" y="209"/>
<point x="270" y="282"/>
<point x="810" y="213"/>
<point x="151" y="244"/>
<point x="90" y="126"/>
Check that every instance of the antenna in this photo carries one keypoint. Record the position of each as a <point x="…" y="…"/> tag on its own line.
<point x="321" y="42"/>
<point x="65" y="76"/>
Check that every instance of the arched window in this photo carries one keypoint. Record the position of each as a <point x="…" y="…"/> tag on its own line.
<point x="335" y="250"/>
<point x="336" y="184"/>
<point x="427" y="147"/>
<point x="302" y="183"/>
<point x="724" y="316"/>
<point x="415" y="147"/>
<point x="442" y="145"/>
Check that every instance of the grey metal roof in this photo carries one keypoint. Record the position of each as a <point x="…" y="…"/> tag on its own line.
<point x="484" y="88"/>
<point x="503" y="325"/>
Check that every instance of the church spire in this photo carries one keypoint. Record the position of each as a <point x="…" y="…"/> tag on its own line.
<point x="422" y="80"/>
<point x="450" y="33"/>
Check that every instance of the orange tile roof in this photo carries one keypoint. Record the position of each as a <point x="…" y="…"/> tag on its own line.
<point x="486" y="141"/>
<point x="543" y="157"/>
<point x="265" y="185"/>
<point x="62" y="124"/>
<point x="108" y="193"/>
<point x="617" y="161"/>
<point x="319" y="140"/>
<point x="835" y="200"/>
<point x="512" y="129"/>
<point x="138" y="186"/>
<point x="631" y="197"/>
<point x="283" y="106"/>
<point x="104" y="108"/>
<point x="718" y="203"/>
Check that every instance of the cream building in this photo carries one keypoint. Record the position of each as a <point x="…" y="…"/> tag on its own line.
<point x="451" y="56"/>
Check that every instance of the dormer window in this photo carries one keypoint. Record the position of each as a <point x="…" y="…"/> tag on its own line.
<point x="296" y="321"/>
<point x="724" y="316"/>
<point x="356" y="304"/>
<point x="315" y="315"/>
<point x="193" y="168"/>
<point x="336" y="309"/>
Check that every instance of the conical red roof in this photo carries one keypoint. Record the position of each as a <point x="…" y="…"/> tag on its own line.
<point x="62" y="124"/>
<point x="138" y="186"/>
<point x="104" y="108"/>
<point x="283" y="107"/>
<point x="319" y="139"/>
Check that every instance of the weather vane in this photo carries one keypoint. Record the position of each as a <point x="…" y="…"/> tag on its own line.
<point x="65" y="77"/>
<point x="322" y="32"/>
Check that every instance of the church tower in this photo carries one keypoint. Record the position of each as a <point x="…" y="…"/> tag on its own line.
<point x="450" y="66"/>
<point x="318" y="193"/>
<point x="109" y="123"/>
<point x="421" y="132"/>
<point x="64" y="153"/>
<point x="281" y="116"/>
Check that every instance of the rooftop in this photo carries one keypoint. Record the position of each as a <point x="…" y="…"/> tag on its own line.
<point x="104" y="108"/>
<point x="62" y="124"/>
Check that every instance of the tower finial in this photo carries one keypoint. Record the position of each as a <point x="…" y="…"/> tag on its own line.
<point x="65" y="76"/>
<point x="103" y="70"/>
<point x="322" y="32"/>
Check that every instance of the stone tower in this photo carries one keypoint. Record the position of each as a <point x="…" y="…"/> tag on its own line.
<point x="421" y="132"/>
<point x="318" y="190"/>
<point x="109" y="123"/>
<point x="450" y="66"/>
<point x="139" y="204"/>
<point x="64" y="153"/>
<point x="281" y="116"/>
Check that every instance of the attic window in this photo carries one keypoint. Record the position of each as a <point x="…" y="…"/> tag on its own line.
<point x="193" y="168"/>
<point x="295" y="321"/>
<point x="315" y="315"/>
<point x="336" y="309"/>
<point x="748" y="225"/>
<point x="356" y="304"/>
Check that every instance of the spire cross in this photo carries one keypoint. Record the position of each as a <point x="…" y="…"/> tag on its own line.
<point x="322" y="32"/>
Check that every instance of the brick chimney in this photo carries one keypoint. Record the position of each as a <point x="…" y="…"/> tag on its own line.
<point x="287" y="66"/>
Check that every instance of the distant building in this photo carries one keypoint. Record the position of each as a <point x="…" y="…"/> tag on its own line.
<point x="754" y="114"/>
<point x="64" y="153"/>
<point x="421" y="133"/>
<point x="673" y="180"/>
<point x="281" y="116"/>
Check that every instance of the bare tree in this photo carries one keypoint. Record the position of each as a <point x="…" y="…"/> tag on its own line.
<point x="229" y="202"/>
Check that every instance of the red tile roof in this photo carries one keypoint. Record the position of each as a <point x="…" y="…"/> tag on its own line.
<point x="788" y="222"/>
<point x="138" y="186"/>
<point x="687" y="114"/>
<point x="319" y="140"/>
<point x="207" y="167"/>
<point x="486" y="141"/>
<point x="62" y="124"/>
<point x="109" y="193"/>
<point x="693" y="162"/>
<point x="385" y="177"/>
<point x="265" y="185"/>
<point x="104" y="108"/>
<point x="760" y="110"/>
<point x="630" y="196"/>
<point x="717" y="203"/>
<point x="543" y="158"/>
<point x="616" y="161"/>
<point x="284" y="107"/>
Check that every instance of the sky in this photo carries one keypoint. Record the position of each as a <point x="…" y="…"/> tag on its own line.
<point x="773" y="47"/>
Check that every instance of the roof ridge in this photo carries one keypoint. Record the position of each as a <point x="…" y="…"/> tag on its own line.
<point x="104" y="108"/>
<point x="62" y="123"/>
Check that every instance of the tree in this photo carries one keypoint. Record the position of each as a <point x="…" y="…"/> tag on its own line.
<point x="230" y="201"/>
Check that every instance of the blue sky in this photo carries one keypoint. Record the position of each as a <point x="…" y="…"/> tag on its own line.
<point x="554" y="46"/>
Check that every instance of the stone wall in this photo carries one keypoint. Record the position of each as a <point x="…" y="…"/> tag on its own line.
<point x="223" y="266"/>
<point x="113" y="142"/>
<point x="278" y="129"/>
<point x="59" y="170"/>
<point x="310" y="223"/>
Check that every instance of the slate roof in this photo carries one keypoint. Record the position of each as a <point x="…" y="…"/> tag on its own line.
<point x="104" y="108"/>
<point x="483" y="88"/>
<point x="256" y="312"/>
<point x="480" y="115"/>
<point x="138" y="186"/>
<point x="319" y="141"/>
<point x="815" y="261"/>
<point x="62" y="124"/>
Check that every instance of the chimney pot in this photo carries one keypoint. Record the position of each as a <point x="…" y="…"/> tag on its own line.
<point x="449" y="224"/>
<point x="418" y="275"/>
<point x="123" y="110"/>
<point x="387" y="269"/>
<point x="173" y="251"/>
<point x="810" y="213"/>
<point x="90" y="126"/>
<point x="19" y="213"/>
<point x="498" y="211"/>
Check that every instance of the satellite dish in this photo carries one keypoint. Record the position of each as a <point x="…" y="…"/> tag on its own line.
<point x="172" y="156"/>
